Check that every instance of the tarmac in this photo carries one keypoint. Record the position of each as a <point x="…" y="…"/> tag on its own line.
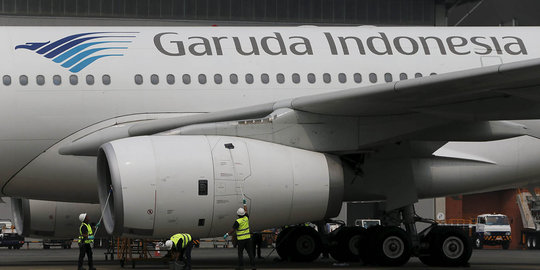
<point x="226" y="258"/>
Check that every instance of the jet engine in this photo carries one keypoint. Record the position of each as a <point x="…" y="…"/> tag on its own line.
<point x="49" y="219"/>
<point x="160" y="185"/>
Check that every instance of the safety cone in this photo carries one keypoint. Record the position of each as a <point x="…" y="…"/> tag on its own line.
<point x="156" y="252"/>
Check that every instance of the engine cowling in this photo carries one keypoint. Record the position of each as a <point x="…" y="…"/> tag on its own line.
<point x="167" y="184"/>
<point x="49" y="219"/>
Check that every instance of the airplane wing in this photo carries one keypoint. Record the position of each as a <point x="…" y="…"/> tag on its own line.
<point x="500" y="92"/>
<point x="506" y="91"/>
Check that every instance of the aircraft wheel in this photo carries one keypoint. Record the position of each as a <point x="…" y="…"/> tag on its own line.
<point x="282" y="244"/>
<point x="390" y="246"/>
<point x="349" y="240"/>
<point x="450" y="246"/>
<point x="533" y="243"/>
<point x="305" y="244"/>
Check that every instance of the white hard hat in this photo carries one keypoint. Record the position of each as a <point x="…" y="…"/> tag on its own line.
<point x="240" y="211"/>
<point x="168" y="244"/>
<point x="82" y="217"/>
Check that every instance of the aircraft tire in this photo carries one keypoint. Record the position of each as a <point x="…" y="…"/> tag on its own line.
<point x="349" y="240"/>
<point x="282" y="244"/>
<point x="390" y="246"/>
<point x="450" y="246"/>
<point x="305" y="244"/>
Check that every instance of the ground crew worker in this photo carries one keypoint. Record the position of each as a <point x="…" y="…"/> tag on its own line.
<point x="86" y="238"/>
<point x="241" y="227"/>
<point x="181" y="244"/>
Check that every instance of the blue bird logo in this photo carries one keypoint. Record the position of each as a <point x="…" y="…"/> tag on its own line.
<point x="76" y="52"/>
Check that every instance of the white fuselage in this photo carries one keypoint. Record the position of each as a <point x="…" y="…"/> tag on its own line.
<point x="34" y="118"/>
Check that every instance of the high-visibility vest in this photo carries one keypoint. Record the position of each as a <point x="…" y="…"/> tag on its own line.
<point x="81" y="237"/>
<point x="242" y="232"/>
<point x="186" y="238"/>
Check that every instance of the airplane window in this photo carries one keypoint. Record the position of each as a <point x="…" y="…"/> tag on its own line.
<point x="249" y="78"/>
<point x="90" y="79"/>
<point x="418" y="75"/>
<point x="234" y="78"/>
<point x="138" y="79"/>
<point x="57" y="80"/>
<point x="296" y="78"/>
<point x="40" y="79"/>
<point x="311" y="78"/>
<point x="342" y="78"/>
<point x="327" y="78"/>
<point x="218" y="79"/>
<point x="106" y="79"/>
<point x="154" y="79"/>
<point x="372" y="77"/>
<point x="202" y="78"/>
<point x="7" y="80"/>
<point x="264" y="78"/>
<point x="170" y="79"/>
<point x="403" y="76"/>
<point x="186" y="79"/>
<point x="357" y="77"/>
<point x="73" y="79"/>
<point x="23" y="80"/>
<point x="388" y="77"/>
<point x="280" y="78"/>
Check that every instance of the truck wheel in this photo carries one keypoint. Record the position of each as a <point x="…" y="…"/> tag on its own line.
<point x="390" y="246"/>
<point x="478" y="242"/>
<point x="505" y="245"/>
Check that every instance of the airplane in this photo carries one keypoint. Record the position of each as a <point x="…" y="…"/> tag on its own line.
<point x="170" y="128"/>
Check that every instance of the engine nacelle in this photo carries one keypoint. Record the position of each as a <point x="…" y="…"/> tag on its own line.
<point x="163" y="185"/>
<point x="48" y="219"/>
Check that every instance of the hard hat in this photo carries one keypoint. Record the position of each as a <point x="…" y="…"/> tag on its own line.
<point x="82" y="217"/>
<point x="241" y="211"/>
<point x="168" y="244"/>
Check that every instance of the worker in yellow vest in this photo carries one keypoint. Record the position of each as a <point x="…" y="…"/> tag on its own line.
<point x="86" y="238"/>
<point x="181" y="244"/>
<point x="241" y="227"/>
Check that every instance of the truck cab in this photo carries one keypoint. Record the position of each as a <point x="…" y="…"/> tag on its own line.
<point x="492" y="229"/>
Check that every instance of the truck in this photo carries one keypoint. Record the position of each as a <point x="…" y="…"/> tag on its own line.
<point x="9" y="237"/>
<point x="529" y="207"/>
<point x="492" y="230"/>
<point x="485" y="229"/>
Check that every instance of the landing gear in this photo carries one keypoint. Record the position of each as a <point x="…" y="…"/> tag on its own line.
<point x="388" y="246"/>
<point x="446" y="246"/>
<point x="347" y="243"/>
<point x="299" y="244"/>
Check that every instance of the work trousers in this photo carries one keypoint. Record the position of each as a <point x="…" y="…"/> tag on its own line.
<point x="257" y="242"/>
<point x="85" y="249"/>
<point x="248" y="246"/>
<point x="187" y="253"/>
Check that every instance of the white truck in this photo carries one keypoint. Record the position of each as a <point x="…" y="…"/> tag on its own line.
<point x="492" y="230"/>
